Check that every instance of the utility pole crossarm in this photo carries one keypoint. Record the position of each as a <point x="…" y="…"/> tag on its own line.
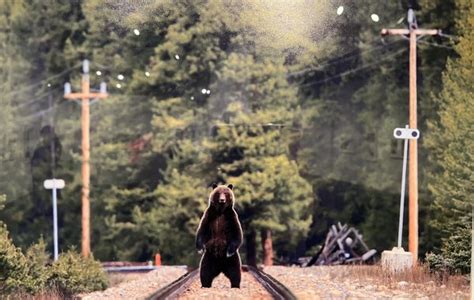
<point x="398" y="31"/>
<point x="74" y="96"/>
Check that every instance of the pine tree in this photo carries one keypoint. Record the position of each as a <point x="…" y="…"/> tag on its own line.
<point x="250" y="148"/>
<point x="36" y="34"/>
<point x="199" y="74"/>
<point x="451" y="142"/>
<point x="14" y="171"/>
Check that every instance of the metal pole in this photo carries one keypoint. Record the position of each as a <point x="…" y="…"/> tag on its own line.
<point x="413" y="158"/>
<point x="402" y="192"/>
<point x="52" y="136"/>
<point x="85" y="161"/>
<point x="55" y="223"/>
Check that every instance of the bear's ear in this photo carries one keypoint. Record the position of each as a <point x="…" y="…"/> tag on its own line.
<point x="214" y="185"/>
<point x="230" y="186"/>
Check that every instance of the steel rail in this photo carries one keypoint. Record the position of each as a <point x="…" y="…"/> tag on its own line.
<point x="273" y="286"/>
<point x="172" y="290"/>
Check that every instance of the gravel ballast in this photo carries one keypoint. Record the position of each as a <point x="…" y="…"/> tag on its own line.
<point x="140" y="287"/>
<point x="322" y="282"/>
<point x="363" y="282"/>
<point x="249" y="289"/>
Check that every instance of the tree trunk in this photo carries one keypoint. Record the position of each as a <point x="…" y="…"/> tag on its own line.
<point x="267" y="247"/>
<point x="251" y="247"/>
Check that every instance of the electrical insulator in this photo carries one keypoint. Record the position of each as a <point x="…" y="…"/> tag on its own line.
<point x="67" y="88"/>
<point x="85" y="66"/>
<point x="103" y="87"/>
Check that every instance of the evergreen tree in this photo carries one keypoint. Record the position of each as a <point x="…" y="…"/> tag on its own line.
<point x="205" y="98"/>
<point x="353" y="102"/>
<point x="358" y="99"/>
<point x="198" y="75"/>
<point x="451" y="141"/>
<point x="36" y="34"/>
<point x="250" y="149"/>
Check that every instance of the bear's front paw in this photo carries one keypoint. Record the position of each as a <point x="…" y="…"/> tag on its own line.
<point x="200" y="245"/>
<point x="200" y="248"/>
<point x="231" y="249"/>
<point x="230" y="252"/>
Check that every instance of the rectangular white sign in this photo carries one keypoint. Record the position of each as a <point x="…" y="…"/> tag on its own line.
<point x="53" y="183"/>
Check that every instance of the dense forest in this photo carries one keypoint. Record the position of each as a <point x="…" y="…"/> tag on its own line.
<point x="292" y="103"/>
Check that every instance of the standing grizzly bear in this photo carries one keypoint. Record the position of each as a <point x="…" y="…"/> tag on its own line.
<point x="220" y="236"/>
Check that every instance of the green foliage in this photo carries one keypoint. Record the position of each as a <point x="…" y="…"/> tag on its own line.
<point x="180" y="204"/>
<point x="38" y="264"/>
<point x="32" y="273"/>
<point x="33" y="35"/>
<point x="451" y="137"/>
<point x="13" y="266"/>
<point x="22" y="273"/>
<point x="451" y="140"/>
<point x="455" y="255"/>
<point x="72" y="274"/>
<point x="252" y="154"/>
<point x="3" y="198"/>
<point x="273" y="130"/>
<point x="249" y="92"/>
<point x="346" y="150"/>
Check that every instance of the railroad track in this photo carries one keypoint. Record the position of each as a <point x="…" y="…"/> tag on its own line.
<point x="173" y="290"/>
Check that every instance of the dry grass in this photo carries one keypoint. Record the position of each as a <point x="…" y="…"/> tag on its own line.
<point x="45" y="295"/>
<point x="369" y="282"/>
<point x="420" y="275"/>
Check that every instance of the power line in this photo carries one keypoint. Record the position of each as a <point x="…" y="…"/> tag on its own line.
<point x="436" y="45"/>
<point x="28" y="87"/>
<point x="339" y="59"/>
<point x="36" y="98"/>
<point x="352" y="70"/>
<point x="449" y="36"/>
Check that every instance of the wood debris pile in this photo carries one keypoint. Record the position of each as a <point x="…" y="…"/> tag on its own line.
<point x="343" y="245"/>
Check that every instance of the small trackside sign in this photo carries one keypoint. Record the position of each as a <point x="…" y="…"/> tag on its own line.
<point x="406" y="133"/>
<point x="53" y="184"/>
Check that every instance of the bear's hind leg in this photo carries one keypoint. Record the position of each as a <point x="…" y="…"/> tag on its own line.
<point x="206" y="280"/>
<point x="207" y="271"/>
<point x="232" y="270"/>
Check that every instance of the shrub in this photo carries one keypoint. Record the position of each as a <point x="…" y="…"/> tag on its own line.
<point x="455" y="255"/>
<point x="37" y="262"/>
<point x="32" y="273"/>
<point x="13" y="266"/>
<point x="72" y="274"/>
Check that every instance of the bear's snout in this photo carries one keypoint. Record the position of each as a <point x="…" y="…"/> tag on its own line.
<point x="222" y="198"/>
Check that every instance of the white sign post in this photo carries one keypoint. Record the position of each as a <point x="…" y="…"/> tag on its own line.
<point x="398" y="260"/>
<point x="404" y="134"/>
<point x="54" y="184"/>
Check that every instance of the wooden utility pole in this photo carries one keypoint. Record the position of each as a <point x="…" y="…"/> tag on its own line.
<point x="413" y="32"/>
<point x="85" y="97"/>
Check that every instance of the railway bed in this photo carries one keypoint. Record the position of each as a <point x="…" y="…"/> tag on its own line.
<point x="318" y="282"/>
<point x="255" y="285"/>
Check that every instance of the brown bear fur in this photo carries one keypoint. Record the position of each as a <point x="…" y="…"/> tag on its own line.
<point x="220" y="236"/>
